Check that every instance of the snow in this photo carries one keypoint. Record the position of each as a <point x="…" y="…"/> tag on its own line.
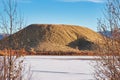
<point x="61" y="67"/>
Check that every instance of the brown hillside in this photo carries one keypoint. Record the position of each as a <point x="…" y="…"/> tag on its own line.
<point x="49" y="37"/>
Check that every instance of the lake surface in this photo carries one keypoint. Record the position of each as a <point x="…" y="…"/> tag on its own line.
<point x="61" y="67"/>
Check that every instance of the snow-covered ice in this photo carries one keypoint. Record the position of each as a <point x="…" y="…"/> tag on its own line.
<point x="61" y="67"/>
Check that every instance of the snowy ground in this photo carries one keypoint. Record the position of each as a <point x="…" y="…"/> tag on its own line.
<point x="61" y="67"/>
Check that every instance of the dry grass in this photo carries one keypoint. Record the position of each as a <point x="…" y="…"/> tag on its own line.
<point x="49" y="37"/>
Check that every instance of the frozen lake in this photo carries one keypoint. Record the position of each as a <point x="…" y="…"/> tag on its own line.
<point x="61" y="67"/>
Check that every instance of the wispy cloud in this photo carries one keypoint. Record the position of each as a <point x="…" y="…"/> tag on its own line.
<point x="24" y="1"/>
<point x="94" y="1"/>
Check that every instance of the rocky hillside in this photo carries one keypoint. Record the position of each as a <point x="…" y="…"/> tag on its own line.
<point x="52" y="37"/>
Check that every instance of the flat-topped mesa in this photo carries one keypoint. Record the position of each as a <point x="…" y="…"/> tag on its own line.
<point x="52" y="37"/>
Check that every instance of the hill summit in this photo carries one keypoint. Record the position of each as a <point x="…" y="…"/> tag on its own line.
<point x="52" y="37"/>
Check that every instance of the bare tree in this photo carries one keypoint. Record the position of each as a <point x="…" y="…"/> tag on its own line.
<point x="108" y="68"/>
<point x="11" y="66"/>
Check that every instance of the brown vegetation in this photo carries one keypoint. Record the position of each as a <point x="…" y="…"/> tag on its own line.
<point x="108" y="68"/>
<point x="52" y="38"/>
<point x="11" y="63"/>
<point x="22" y="52"/>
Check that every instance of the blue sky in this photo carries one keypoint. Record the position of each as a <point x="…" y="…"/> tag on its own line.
<point x="73" y="12"/>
